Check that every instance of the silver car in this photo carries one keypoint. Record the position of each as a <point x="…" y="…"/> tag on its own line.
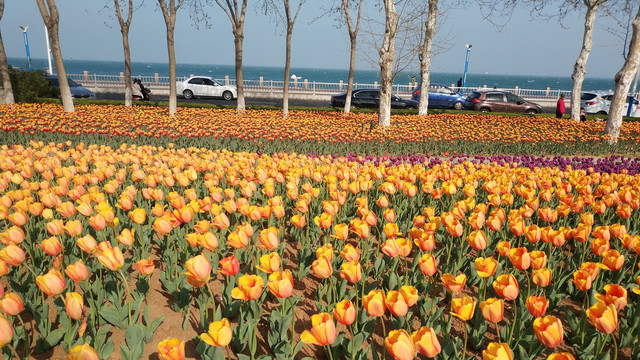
<point x="204" y="86"/>
<point x="594" y="102"/>
<point x="635" y="108"/>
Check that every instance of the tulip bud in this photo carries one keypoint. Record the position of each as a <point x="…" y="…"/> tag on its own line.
<point x="399" y="344"/>
<point x="345" y="312"/>
<point x="171" y="349"/>
<point x="74" y="304"/>
<point x="322" y="332"/>
<point x="11" y="304"/>
<point x="219" y="333"/>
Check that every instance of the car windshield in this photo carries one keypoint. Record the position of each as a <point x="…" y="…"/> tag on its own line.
<point x="588" y="96"/>
<point x="474" y="95"/>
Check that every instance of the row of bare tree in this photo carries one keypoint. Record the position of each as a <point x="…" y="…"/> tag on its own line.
<point x="349" y="12"/>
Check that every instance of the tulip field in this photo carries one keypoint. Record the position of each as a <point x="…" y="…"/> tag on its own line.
<point x="129" y="234"/>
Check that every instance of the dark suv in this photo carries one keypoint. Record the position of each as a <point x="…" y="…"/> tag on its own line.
<point x="499" y="101"/>
<point x="371" y="98"/>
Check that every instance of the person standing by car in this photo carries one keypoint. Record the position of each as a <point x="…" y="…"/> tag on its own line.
<point x="560" y="107"/>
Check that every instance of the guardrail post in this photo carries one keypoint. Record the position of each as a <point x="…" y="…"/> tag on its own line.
<point x="546" y="93"/>
<point x="340" y="86"/>
<point x="484" y="86"/>
<point x="121" y="77"/>
<point x="306" y="84"/>
<point x="85" y="75"/>
<point x="375" y="84"/>
<point x="156" y="77"/>
<point x="226" y="79"/>
<point x="516" y="90"/>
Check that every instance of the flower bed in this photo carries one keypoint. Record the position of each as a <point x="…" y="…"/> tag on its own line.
<point x="141" y="251"/>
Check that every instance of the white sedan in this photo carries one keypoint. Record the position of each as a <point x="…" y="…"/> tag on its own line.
<point x="204" y="86"/>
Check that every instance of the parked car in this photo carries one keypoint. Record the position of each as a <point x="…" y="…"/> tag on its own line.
<point x="371" y="98"/>
<point x="441" y="96"/>
<point x="204" y="86"/>
<point x="77" y="91"/>
<point x="499" y="101"/>
<point x="594" y="102"/>
<point x="635" y="108"/>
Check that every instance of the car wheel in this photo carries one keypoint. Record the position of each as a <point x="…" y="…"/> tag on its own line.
<point x="602" y="112"/>
<point x="457" y="105"/>
<point x="531" y="111"/>
<point x="227" y="95"/>
<point x="188" y="94"/>
<point x="485" y="110"/>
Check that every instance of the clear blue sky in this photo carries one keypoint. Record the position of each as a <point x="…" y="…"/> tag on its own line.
<point x="88" y="31"/>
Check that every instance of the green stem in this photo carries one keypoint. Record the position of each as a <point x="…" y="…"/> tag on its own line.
<point x="498" y="333"/>
<point x="351" y="342"/>
<point x="27" y="338"/>
<point x="615" y="347"/>
<point x="384" y="334"/>
<point x="13" y="351"/>
<point x="126" y="286"/>
<point x="329" y="351"/>
<point x="526" y="273"/>
<point x="513" y="324"/>
<point x="213" y="301"/>
<point x="292" y="327"/>
<point x="464" y="347"/>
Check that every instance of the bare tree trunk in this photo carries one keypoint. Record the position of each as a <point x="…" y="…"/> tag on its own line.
<point x="353" y="33"/>
<point x="623" y="78"/>
<point x="124" y="29"/>
<point x="579" y="69"/>
<point x="51" y="18"/>
<point x="7" y="90"/>
<point x="287" y="68"/>
<point x="169" y="15"/>
<point x="387" y="53"/>
<point x="425" y="57"/>
<point x="237" y="27"/>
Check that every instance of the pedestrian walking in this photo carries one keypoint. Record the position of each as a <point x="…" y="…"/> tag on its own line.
<point x="560" y="107"/>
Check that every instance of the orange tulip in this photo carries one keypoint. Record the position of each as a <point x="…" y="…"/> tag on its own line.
<point x="281" y="283"/>
<point x="486" y="267"/>
<point x="269" y="238"/>
<point x="427" y="264"/>
<point x="497" y="351"/>
<point x="463" y="308"/>
<point x="399" y="344"/>
<point x="229" y="266"/>
<point x="198" y="270"/>
<point x="537" y="305"/>
<point x="541" y="277"/>
<point x="14" y="235"/>
<point x="12" y="255"/>
<point x="298" y="220"/>
<point x="538" y="259"/>
<point x="351" y="271"/>
<point x="138" y="216"/>
<point x="341" y="231"/>
<point x="322" y="267"/>
<point x="12" y="304"/>
<point x="477" y="239"/>
<point x="503" y="248"/>
<point x="374" y="302"/>
<point x="604" y="317"/>
<point x="74" y="304"/>
<point x="426" y="342"/>
<point x="84" y="352"/>
<point x="51" y="246"/>
<point x="171" y="349"/>
<point x="506" y="286"/>
<point x="492" y="309"/>
<point x="112" y="259"/>
<point x="220" y="221"/>
<point x="77" y="271"/>
<point x="520" y="258"/>
<point x="454" y="284"/>
<point x="249" y="287"/>
<point x="325" y="251"/>
<point x="87" y="244"/>
<point x="614" y="294"/>
<point x="548" y="330"/>
<point x="73" y="228"/>
<point x="360" y="228"/>
<point x="126" y="237"/>
<point x="561" y="356"/>
<point x="599" y="246"/>
<point x="145" y="266"/>
<point x="269" y="262"/>
<point x="582" y="280"/>
<point x="6" y="331"/>
<point x="350" y="253"/>
<point x="323" y="330"/>
<point x="51" y="283"/>
<point x="612" y="260"/>
<point x="219" y="333"/>
<point x="345" y="312"/>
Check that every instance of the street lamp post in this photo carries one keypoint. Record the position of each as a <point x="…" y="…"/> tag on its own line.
<point x="26" y="45"/>
<point x="466" y="66"/>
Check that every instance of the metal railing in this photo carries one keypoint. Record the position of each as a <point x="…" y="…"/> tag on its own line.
<point x="311" y="87"/>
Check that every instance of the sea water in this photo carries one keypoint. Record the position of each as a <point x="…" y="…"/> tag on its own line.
<point x="362" y="76"/>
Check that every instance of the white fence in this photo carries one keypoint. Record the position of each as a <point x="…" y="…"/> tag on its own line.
<point x="304" y="86"/>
